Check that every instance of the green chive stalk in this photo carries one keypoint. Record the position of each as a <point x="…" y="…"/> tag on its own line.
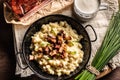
<point x="109" y="48"/>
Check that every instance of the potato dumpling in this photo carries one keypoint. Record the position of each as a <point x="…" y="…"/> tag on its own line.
<point x="57" y="49"/>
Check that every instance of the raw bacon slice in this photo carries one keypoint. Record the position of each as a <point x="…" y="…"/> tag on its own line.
<point x="23" y="9"/>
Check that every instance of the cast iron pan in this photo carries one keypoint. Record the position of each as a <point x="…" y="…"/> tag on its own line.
<point x="35" y="27"/>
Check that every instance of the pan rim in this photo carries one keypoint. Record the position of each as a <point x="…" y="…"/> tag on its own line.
<point x="32" y="25"/>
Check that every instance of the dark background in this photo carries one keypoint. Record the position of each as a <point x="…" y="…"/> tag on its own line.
<point x="7" y="57"/>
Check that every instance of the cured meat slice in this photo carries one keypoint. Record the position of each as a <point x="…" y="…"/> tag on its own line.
<point x="25" y="8"/>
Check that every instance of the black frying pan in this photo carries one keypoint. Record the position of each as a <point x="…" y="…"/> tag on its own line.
<point x="35" y="27"/>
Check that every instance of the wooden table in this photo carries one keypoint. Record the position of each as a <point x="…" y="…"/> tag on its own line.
<point x="7" y="57"/>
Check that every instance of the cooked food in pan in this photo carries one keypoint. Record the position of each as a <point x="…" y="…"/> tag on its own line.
<point x="57" y="48"/>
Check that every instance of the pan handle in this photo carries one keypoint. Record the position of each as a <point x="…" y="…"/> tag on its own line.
<point x="20" y="61"/>
<point x="93" y="31"/>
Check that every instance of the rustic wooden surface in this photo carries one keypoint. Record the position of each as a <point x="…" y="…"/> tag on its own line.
<point x="7" y="57"/>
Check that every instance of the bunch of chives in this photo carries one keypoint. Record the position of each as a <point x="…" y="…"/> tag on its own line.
<point x="109" y="48"/>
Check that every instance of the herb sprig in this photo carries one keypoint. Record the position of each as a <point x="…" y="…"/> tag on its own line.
<point x="109" y="48"/>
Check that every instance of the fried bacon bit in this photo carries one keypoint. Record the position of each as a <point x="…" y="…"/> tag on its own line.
<point x="65" y="54"/>
<point x="54" y="52"/>
<point x="59" y="42"/>
<point x="51" y="39"/>
<point x="64" y="36"/>
<point x="60" y="49"/>
<point x="60" y="38"/>
<point x="56" y="48"/>
<point x="31" y="57"/>
<point x="46" y="50"/>
<point x="68" y="38"/>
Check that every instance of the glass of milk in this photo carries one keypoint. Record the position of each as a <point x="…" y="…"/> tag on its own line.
<point x="87" y="9"/>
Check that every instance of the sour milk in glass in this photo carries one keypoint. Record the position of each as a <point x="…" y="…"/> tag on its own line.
<point x="87" y="6"/>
